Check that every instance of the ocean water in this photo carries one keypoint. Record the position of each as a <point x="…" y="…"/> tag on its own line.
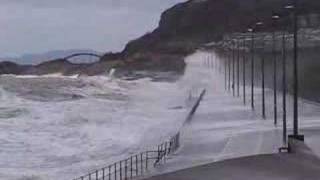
<point x="61" y="127"/>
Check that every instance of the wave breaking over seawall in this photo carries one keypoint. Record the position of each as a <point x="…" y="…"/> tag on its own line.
<point x="56" y="126"/>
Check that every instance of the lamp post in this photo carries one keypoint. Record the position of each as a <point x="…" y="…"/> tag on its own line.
<point x="233" y="67"/>
<point x="258" y="27"/>
<point x="274" y="21"/>
<point x="229" y="70"/>
<point x="238" y="66"/>
<point x="251" y="30"/>
<point x="294" y="10"/>
<point x="244" y="71"/>
<point x="284" y="86"/>
<point x="225" y="74"/>
<point x="263" y="80"/>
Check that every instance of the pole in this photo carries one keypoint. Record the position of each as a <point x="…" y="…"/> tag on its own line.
<point x="295" y="71"/>
<point x="274" y="75"/>
<point x="233" y="68"/>
<point x="238" y="67"/>
<point x="244" y="71"/>
<point x="284" y="87"/>
<point x="225" y="74"/>
<point x="252" y="70"/>
<point x="263" y="79"/>
<point x="229" y="71"/>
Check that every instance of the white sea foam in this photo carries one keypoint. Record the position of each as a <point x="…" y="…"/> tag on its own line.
<point x="55" y="75"/>
<point x="59" y="127"/>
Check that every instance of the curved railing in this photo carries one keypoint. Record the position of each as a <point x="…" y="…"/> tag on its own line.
<point x="138" y="164"/>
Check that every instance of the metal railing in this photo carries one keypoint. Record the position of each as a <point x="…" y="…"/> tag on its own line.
<point x="138" y="164"/>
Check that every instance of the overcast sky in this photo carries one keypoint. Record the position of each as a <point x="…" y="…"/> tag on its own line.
<point x="36" y="26"/>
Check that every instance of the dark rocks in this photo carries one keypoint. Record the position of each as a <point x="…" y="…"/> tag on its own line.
<point x="11" y="68"/>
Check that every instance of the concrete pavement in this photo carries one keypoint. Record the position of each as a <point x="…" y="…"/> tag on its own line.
<point x="301" y="165"/>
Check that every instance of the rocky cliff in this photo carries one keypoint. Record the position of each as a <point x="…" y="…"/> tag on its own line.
<point x="188" y="25"/>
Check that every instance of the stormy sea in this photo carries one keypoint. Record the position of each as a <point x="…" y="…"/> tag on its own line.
<point x="59" y="127"/>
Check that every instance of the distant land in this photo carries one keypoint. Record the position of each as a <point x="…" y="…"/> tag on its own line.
<point x="35" y="59"/>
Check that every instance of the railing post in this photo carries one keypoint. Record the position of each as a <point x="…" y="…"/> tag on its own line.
<point x="109" y="172"/>
<point x="120" y="170"/>
<point x="147" y="158"/>
<point x="141" y="165"/>
<point x="103" y="173"/>
<point x="115" y="171"/>
<point x="136" y="165"/>
<point x="126" y="170"/>
<point x="131" y="167"/>
<point x="90" y="176"/>
<point x="158" y="153"/>
<point x="161" y="152"/>
<point x="166" y="148"/>
<point x="178" y="141"/>
<point x="160" y="157"/>
<point x="97" y="174"/>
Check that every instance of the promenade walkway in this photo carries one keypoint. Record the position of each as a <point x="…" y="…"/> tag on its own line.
<point x="301" y="165"/>
<point x="227" y="140"/>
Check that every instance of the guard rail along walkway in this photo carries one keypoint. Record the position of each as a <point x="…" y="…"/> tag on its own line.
<point x="137" y="165"/>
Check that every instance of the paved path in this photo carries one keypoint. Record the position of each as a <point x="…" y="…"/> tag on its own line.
<point x="299" y="166"/>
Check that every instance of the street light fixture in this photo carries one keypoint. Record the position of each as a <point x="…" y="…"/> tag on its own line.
<point x="289" y="7"/>
<point x="275" y="17"/>
<point x="259" y="23"/>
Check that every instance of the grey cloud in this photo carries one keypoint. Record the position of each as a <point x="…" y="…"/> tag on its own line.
<point x="144" y="5"/>
<point x="31" y="26"/>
